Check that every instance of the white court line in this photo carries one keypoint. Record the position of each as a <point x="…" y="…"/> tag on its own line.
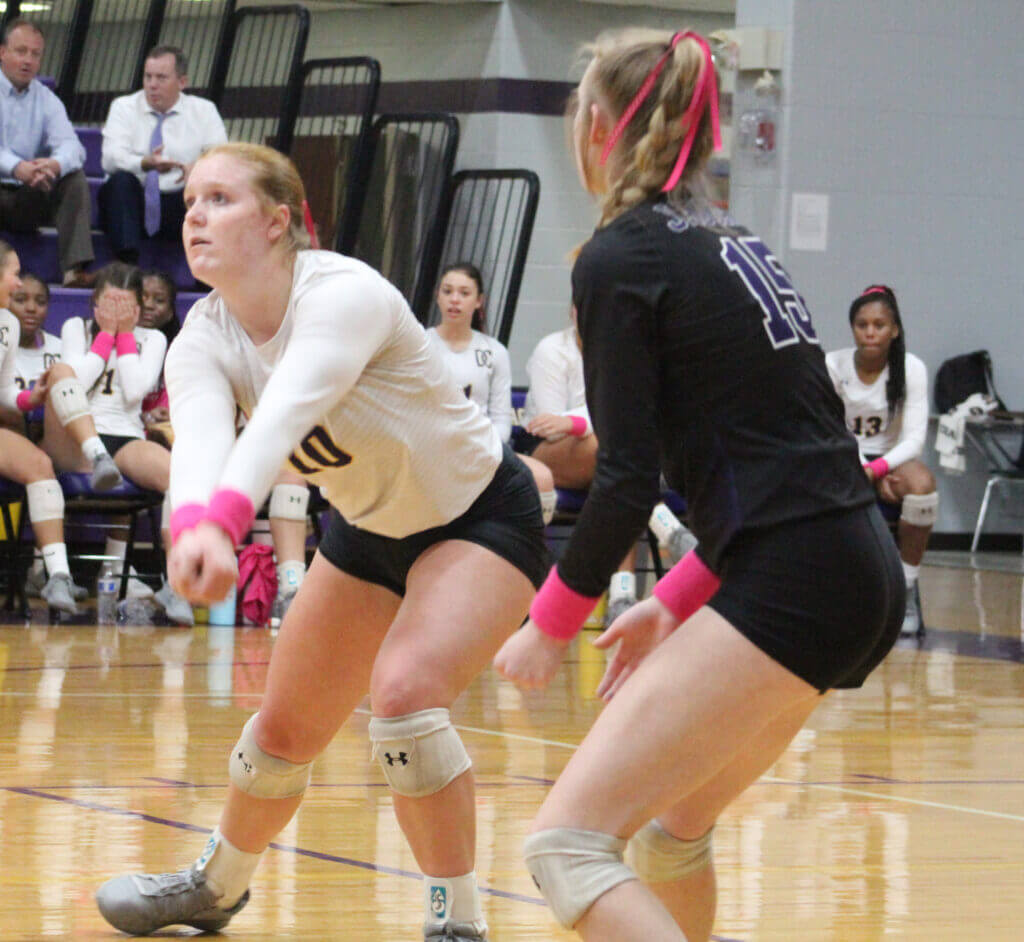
<point x="898" y="798"/>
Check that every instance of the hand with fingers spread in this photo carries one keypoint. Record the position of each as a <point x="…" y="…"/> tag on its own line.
<point x="640" y="630"/>
<point x="202" y="566"/>
<point x="530" y="658"/>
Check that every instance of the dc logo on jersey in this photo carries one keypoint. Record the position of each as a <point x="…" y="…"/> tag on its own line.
<point x="439" y="901"/>
<point x="49" y="359"/>
<point x="483" y="358"/>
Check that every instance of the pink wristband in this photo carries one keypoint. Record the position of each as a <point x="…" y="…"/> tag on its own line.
<point x="686" y="586"/>
<point x="102" y="345"/>
<point x="184" y="518"/>
<point x="579" y="426"/>
<point x="126" y="344"/>
<point x="232" y="511"/>
<point x="559" y="611"/>
<point x="23" y="401"/>
<point x="879" y="467"/>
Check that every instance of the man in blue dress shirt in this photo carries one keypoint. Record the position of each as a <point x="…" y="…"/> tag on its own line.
<point x="41" y="157"/>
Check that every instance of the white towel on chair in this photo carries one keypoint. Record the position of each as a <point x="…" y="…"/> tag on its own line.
<point x="949" y="440"/>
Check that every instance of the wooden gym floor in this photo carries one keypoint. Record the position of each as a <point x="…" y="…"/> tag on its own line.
<point x="897" y="813"/>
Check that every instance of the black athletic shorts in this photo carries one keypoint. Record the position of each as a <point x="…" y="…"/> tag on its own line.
<point x="824" y="597"/>
<point x="505" y="518"/>
<point x="114" y="443"/>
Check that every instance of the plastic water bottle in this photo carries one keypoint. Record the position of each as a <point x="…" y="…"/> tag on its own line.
<point x="106" y="595"/>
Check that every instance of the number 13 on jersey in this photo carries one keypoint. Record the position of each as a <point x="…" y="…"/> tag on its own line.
<point x="786" y="319"/>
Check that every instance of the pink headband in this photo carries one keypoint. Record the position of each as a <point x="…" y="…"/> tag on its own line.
<point x="875" y="289"/>
<point x="705" y="93"/>
<point x="307" y="216"/>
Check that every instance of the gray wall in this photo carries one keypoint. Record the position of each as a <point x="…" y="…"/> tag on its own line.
<point x="909" y="115"/>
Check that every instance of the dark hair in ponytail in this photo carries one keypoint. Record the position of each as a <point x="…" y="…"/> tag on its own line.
<point x="896" y="385"/>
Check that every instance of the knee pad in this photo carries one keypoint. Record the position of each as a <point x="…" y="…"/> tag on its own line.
<point x="658" y="857"/>
<point x="420" y="753"/>
<point x="45" y="501"/>
<point x="548" y="503"/>
<point x="68" y="400"/>
<point x="920" y="510"/>
<point x="574" y="868"/>
<point x="289" y="501"/>
<point x="262" y="775"/>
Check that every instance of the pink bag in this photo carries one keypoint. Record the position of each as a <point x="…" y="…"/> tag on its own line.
<point x="257" y="583"/>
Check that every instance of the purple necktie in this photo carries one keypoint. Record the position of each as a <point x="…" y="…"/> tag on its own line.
<point x="152" y="187"/>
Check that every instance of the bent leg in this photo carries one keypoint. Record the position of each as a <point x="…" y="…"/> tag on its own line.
<point x="699" y="700"/>
<point x="572" y="460"/>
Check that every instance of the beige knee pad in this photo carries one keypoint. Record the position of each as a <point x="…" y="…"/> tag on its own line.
<point x="574" y="868"/>
<point x="288" y="502"/>
<point x="920" y="510"/>
<point x="262" y="775"/>
<point x="420" y="752"/>
<point x="658" y="857"/>
<point x="45" y="500"/>
<point x="68" y="400"/>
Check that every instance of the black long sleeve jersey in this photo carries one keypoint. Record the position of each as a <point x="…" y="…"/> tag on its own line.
<point x="700" y="361"/>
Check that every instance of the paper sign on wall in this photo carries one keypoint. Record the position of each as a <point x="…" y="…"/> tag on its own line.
<point x="808" y="222"/>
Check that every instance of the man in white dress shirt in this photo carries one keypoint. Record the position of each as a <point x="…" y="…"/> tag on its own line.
<point x="150" y="141"/>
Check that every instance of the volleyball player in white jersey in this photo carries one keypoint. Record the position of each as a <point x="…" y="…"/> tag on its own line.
<point x="428" y="565"/>
<point x="480" y="363"/>
<point x="118" y="363"/>
<point x="38" y="349"/>
<point x="885" y="394"/>
<point x="23" y="462"/>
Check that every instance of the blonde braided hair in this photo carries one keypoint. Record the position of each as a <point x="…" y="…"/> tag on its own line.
<point x="620" y="62"/>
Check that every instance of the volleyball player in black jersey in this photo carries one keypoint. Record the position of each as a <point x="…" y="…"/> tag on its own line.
<point x="700" y="361"/>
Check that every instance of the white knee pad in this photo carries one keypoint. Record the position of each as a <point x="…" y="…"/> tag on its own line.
<point x="574" y="868"/>
<point x="658" y="857"/>
<point x="289" y="501"/>
<point x="68" y="400"/>
<point x="262" y="775"/>
<point x="548" y="503"/>
<point x="420" y="753"/>
<point x="920" y="510"/>
<point x="45" y="501"/>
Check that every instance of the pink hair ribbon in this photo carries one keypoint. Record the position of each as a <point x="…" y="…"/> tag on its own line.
<point x="705" y="93"/>
<point x="307" y="216"/>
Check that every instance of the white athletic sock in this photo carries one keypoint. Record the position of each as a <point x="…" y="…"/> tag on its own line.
<point x="55" y="557"/>
<point x="452" y="899"/>
<point x="910" y="573"/>
<point x="622" y="586"/>
<point x="228" y="870"/>
<point x="93" y="447"/>
<point x="663" y="523"/>
<point x="290" y="575"/>
<point x="116" y="549"/>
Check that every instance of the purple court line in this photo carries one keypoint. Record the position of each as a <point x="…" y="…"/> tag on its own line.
<point x="143" y="666"/>
<point x="302" y="852"/>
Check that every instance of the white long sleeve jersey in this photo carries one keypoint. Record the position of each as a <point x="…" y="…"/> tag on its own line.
<point x="483" y="372"/>
<point x="31" y="362"/>
<point x="10" y="335"/>
<point x="115" y="387"/>
<point x="867" y="411"/>
<point x="348" y="392"/>
<point x="555" y="370"/>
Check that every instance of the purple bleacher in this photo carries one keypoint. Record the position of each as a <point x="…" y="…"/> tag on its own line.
<point x="37" y="252"/>
<point x="92" y="140"/>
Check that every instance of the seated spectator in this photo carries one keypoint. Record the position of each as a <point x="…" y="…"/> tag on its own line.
<point x="159" y="295"/>
<point x="480" y="363"/>
<point x="23" y="462"/>
<point x="150" y="141"/>
<point x="118" y="362"/>
<point x="884" y="390"/>
<point x="41" y="157"/>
